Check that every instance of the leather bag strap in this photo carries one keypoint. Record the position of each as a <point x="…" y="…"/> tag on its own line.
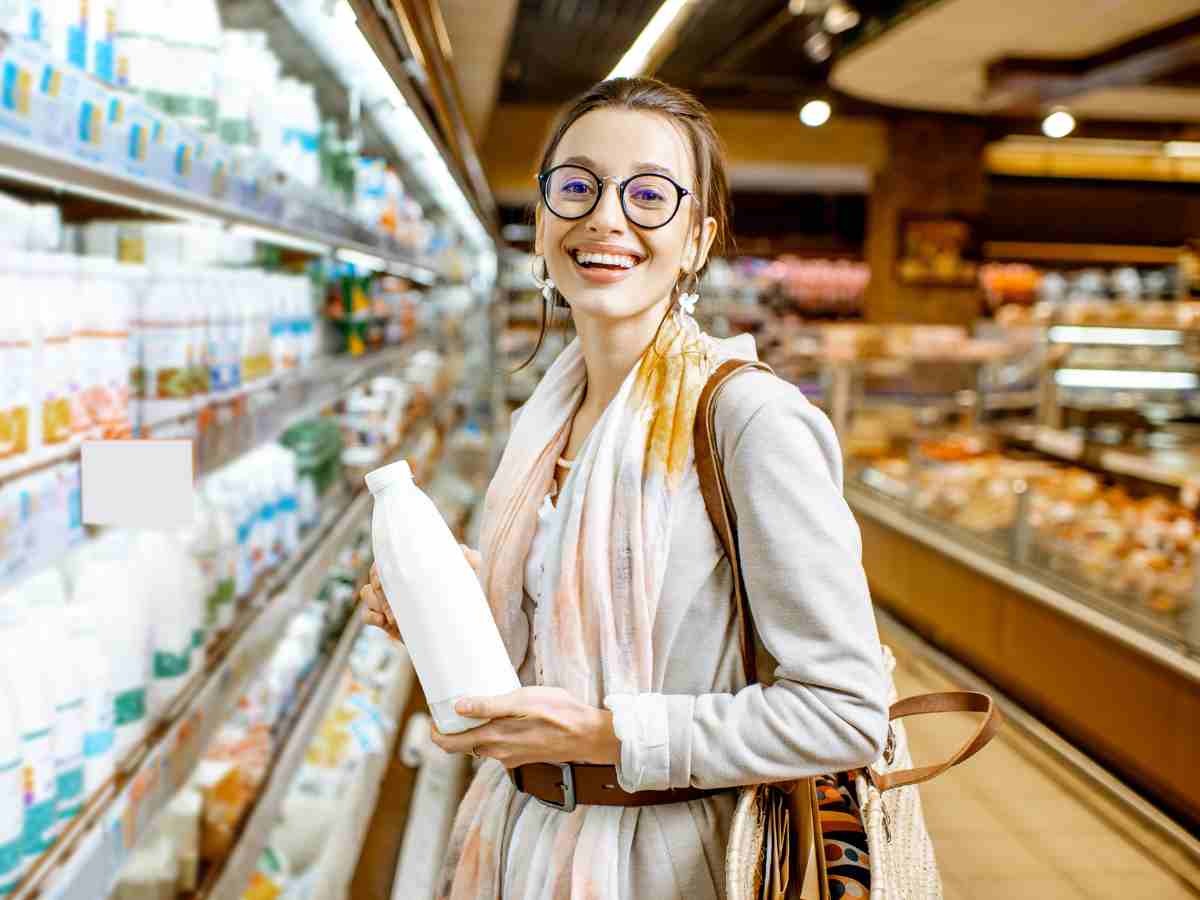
<point x="724" y="518"/>
<point x="717" y="500"/>
<point x="942" y="702"/>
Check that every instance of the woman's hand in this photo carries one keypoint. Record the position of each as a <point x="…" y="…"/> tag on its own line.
<point x="535" y="724"/>
<point x="377" y="610"/>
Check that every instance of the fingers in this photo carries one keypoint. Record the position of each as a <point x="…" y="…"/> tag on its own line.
<point x="475" y="740"/>
<point x="510" y="705"/>
<point x="373" y="599"/>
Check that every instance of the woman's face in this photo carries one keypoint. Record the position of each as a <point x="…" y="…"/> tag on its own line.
<point x="621" y="143"/>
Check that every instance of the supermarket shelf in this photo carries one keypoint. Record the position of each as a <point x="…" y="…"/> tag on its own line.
<point x="326" y="380"/>
<point x="31" y="165"/>
<point x="1178" y="469"/>
<point x="1037" y="251"/>
<point x="335" y="881"/>
<point x="1002" y="571"/>
<point x="84" y="863"/>
<point x="231" y="882"/>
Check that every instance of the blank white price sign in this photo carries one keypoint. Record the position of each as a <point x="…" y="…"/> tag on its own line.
<point x="137" y="484"/>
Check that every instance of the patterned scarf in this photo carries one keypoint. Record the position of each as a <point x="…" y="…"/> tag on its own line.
<point x="594" y="637"/>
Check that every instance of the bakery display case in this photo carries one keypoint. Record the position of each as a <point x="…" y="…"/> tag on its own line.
<point x="1040" y="528"/>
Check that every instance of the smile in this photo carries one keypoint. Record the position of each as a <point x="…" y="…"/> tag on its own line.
<point x="590" y="260"/>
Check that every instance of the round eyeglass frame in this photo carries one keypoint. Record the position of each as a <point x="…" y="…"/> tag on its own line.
<point x="544" y="180"/>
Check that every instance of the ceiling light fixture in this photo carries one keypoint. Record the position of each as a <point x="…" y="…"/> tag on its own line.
<point x="818" y="47"/>
<point x="1058" y="124"/>
<point x="633" y="63"/>
<point x="841" y="16"/>
<point x="1181" y="149"/>
<point x="815" y="113"/>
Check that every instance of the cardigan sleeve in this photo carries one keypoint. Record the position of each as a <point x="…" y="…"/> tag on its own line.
<point x="802" y="558"/>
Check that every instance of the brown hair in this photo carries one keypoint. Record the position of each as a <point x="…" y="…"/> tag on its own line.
<point x="683" y="110"/>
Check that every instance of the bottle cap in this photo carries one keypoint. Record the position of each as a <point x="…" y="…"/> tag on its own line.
<point x="385" y="477"/>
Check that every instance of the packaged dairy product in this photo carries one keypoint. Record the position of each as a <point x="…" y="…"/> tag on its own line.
<point x="44" y="599"/>
<point x="174" y="587"/>
<point x="166" y="332"/>
<point x="12" y="789"/>
<point x="112" y="594"/>
<point x="203" y="542"/>
<point x="439" y="605"/>
<point x="225" y="530"/>
<point x="86" y="640"/>
<point x="54" y="359"/>
<point x="31" y="684"/>
<point x="17" y="337"/>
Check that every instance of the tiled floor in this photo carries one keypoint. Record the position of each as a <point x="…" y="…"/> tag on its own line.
<point x="1007" y="824"/>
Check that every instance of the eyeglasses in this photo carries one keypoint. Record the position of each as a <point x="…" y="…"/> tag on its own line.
<point x="649" y="200"/>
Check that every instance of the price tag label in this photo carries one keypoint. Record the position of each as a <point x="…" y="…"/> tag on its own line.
<point x="1059" y="443"/>
<point x="1189" y="493"/>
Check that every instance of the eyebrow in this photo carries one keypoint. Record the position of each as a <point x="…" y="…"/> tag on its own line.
<point x="640" y="168"/>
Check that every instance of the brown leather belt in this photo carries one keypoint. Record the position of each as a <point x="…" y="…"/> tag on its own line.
<point x="564" y="786"/>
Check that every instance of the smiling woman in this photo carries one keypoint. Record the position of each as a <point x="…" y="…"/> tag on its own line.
<point x="611" y="772"/>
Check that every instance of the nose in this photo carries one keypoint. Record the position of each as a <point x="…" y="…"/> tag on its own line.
<point x="608" y="217"/>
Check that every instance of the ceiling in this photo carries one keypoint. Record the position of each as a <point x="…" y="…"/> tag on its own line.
<point x="939" y="58"/>
<point x="745" y="54"/>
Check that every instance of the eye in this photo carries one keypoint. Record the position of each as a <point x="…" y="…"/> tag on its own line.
<point x="576" y="186"/>
<point x="648" y="195"/>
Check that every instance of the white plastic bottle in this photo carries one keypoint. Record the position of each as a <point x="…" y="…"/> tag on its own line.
<point x="25" y="666"/>
<point x="99" y="733"/>
<point x="17" y="337"/>
<point x="53" y="357"/>
<point x="203" y="543"/>
<point x="45" y="599"/>
<point x="226" y="575"/>
<point x="166" y="350"/>
<point x="439" y="605"/>
<point x="175" y="589"/>
<point x="111" y="591"/>
<point x="12" y="789"/>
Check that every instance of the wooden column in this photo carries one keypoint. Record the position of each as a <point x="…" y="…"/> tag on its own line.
<point x="935" y="166"/>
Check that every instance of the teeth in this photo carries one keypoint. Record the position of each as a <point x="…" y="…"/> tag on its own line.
<point x="606" y="259"/>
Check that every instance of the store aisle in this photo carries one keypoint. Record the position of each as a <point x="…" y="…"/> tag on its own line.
<point x="1009" y="824"/>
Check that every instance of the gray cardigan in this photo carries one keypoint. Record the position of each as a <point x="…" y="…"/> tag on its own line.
<point x="826" y="710"/>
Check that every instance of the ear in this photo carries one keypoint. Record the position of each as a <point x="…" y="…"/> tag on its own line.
<point x="703" y="236"/>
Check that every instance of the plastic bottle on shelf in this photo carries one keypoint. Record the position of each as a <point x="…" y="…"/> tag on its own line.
<point x="203" y="542"/>
<point x="283" y="343"/>
<point x="17" y="338"/>
<point x="22" y="19"/>
<point x="176" y="585"/>
<point x="53" y="357"/>
<point x="439" y="605"/>
<point x="166" y="349"/>
<point x="88" y="651"/>
<point x="25" y="664"/>
<point x="44" y="597"/>
<point x="225" y="526"/>
<point x="12" y="789"/>
<point x="111" y="591"/>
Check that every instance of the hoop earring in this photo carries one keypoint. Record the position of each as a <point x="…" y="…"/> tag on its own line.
<point x="688" y="289"/>
<point x="546" y="283"/>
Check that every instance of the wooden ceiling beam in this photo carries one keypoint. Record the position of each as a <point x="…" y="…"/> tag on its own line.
<point x="1025" y="85"/>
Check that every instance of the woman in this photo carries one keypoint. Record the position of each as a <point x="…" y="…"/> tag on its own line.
<point x="604" y="573"/>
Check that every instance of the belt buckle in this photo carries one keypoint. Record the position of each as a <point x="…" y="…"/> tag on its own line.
<point x="568" y="789"/>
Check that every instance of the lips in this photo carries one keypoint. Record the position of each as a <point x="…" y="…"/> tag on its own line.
<point x="604" y="263"/>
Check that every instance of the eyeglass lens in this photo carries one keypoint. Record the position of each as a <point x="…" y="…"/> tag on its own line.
<point x="649" y="200"/>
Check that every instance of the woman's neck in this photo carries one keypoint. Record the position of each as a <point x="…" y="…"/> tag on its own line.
<point x="611" y="348"/>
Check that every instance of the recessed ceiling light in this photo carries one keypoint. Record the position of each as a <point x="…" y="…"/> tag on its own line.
<point x="1058" y="124"/>
<point x="818" y="47"/>
<point x="840" y="17"/>
<point x="815" y="113"/>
